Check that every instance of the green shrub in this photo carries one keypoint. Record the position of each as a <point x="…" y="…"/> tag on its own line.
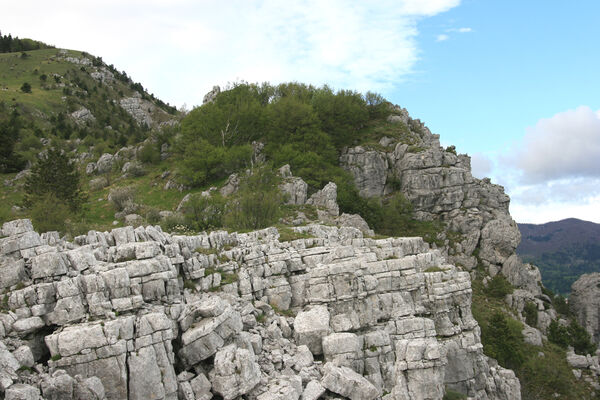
<point x="122" y="198"/>
<point x="152" y="215"/>
<point x="503" y="341"/>
<point x="530" y="312"/>
<point x="204" y="212"/>
<point x="257" y="203"/>
<point x="560" y="305"/>
<point x="50" y="214"/>
<point x="149" y="153"/>
<point x="558" y="334"/>
<point x="580" y="339"/>
<point x="26" y="87"/>
<point x="499" y="286"/>
<point x="453" y="395"/>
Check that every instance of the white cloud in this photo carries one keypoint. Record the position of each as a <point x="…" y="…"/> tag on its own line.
<point x="554" y="171"/>
<point x="464" y="30"/>
<point x="442" y="38"/>
<point x="179" y="49"/>
<point x="588" y="210"/>
<point x="566" y="145"/>
<point x="481" y="165"/>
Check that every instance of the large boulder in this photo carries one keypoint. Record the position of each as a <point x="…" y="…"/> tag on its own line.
<point x="310" y="327"/>
<point x="584" y="302"/>
<point x="326" y="198"/>
<point x="236" y="372"/>
<point x="347" y="383"/>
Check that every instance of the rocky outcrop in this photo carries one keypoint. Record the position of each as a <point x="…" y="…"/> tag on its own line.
<point x="82" y="116"/>
<point x="584" y="302"/>
<point x="115" y="314"/>
<point x="439" y="184"/>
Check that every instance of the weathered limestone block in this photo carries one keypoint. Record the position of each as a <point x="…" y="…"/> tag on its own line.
<point x="49" y="265"/>
<point x="126" y="360"/>
<point x="326" y="198"/>
<point x="294" y="190"/>
<point x="12" y="272"/>
<point x="346" y="382"/>
<point x="524" y="276"/>
<point x="369" y="169"/>
<point x="203" y="337"/>
<point x="499" y="240"/>
<point x="21" y="391"/>
<point x="236" y="372"/>
<point x="343" y="348"/>
<point x="310" y="327"/>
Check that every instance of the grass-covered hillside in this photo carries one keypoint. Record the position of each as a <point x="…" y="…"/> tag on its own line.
<point x="67" y="95"/>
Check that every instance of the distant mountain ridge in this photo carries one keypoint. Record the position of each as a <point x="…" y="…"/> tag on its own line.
<point x="564" y="250"/>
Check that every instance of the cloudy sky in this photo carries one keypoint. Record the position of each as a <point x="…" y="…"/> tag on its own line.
<point x="512" y="83"/>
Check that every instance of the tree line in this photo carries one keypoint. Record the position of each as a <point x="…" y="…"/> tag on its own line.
<point x="9" y="44"/>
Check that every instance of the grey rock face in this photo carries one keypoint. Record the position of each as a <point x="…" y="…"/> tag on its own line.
<point x="294" y="189"/>
<point x="311" y="326"/>
<point x="118" y="310"/>
<point x="584" y="302"/>
<point x="236" y="372"/>
<point x="326" y="198"/>
<point x="346" y="382"/>
<point x="440" y="186"/>
<point x="82" y="116"/>
<point x="369" y="168"/>
<point x="212" y="95"/>
<point x="141" y="110"/>
<point x="231" y="186"/>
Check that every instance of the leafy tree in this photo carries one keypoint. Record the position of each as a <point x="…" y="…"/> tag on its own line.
<point x="341" y="114"/>
<point x="203" y="163"/>
<point x="580" y="339"/>
<point x="54" y="173"/>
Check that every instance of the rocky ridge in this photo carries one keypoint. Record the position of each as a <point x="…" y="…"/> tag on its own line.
<point x="142" y="314"/>
<point x="438" y="182"/>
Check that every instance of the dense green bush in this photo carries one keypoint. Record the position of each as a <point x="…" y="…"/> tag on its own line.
<point x="204" y="212"/>
<point x="204" y="163"/>
<point x="149" y="153"/>
<point x="499" y="286"/>
<point x="530" y="312"/>
<point x="571" y="335"/>
<point x="257" y="204"/>
<point x="503" y="341"/>
<point x="48" y="213"/>
<point x="301" y="125"/>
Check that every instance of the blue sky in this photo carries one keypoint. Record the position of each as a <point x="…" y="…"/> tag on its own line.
<point x="512" y="83"/>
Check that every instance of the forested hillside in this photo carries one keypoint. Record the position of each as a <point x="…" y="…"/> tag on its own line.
<point x="563" y="250"/>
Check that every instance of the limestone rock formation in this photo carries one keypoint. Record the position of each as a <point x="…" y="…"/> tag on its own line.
<point x="115" y="315"/>
<point x="439" y="184"/>
<point x="584" y="302"/>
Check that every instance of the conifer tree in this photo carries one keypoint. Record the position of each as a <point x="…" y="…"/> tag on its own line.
<point x="55" y="174"/>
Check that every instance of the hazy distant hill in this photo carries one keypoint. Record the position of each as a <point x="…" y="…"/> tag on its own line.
<point x="563" y="250"/>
